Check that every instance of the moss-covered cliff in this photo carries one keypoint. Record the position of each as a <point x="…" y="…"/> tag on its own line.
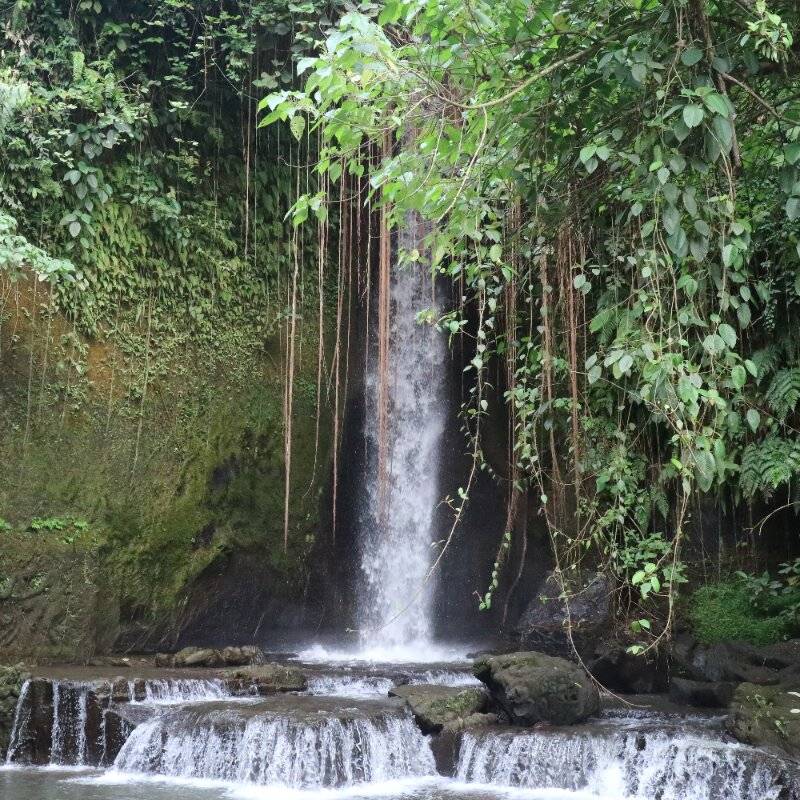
<point x="135" y="461"/>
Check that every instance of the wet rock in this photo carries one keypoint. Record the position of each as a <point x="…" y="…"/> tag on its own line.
<point x="619" y="671"/>
<point x="534" y="687"/>
<point x="242" y="656"/>
<point x="767" y="716"/>
<point x="438" y="707"/>
<point x="197" y="657"/>
<point x="702" y="694"/>
<point x="11" y="680"/>
<point x="120" y="722"/>
<point x="265" y="679"/>
<point x="209" y="657"/>
<point x="735" y="662"/>
<point x="542" y="625"/>
<point x="34" y="746"/>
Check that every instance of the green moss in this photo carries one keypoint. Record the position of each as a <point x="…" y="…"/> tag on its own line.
<point x="723" y="612"/>
<point x="170" y="483"/>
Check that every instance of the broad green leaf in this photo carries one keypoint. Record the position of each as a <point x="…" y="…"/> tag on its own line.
<point x="791" y="152"/>
<point x="693" y="115"/>
<point x="714" y="344"/>
<point x="716" y="102"/>
<point x="728" y="335"/>
<point x="691" y="56"/>
<point x="753" y="419"/>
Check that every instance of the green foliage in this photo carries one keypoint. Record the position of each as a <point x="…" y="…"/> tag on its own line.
<point x="604" y="179"/>
<point x="128" y="149"/>
<point x="725" y="612"/>
<point x="780" y="594"/>
<point x="768" y="464"/>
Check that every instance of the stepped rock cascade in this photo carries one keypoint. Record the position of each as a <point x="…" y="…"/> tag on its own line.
<point x="349" y="686"/>
<point x="63" y="723"/>
<point x="396" y="522"/>
<point x="171" y="691"/>
<point x="307" y="748"/>
<point x="625" y="763"/>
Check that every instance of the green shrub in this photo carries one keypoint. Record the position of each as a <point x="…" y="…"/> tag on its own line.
<point x="724" y="612"/>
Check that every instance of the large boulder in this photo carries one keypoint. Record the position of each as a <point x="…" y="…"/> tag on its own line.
<point x="197" y="657"/>
<point x="265" y="679"/>
<point x="451" y="707"/>
<point x="767" y="716"/>
<point x="534" y="687"/>
<point x="586" y="605"/>
<point x="209" y="657"/>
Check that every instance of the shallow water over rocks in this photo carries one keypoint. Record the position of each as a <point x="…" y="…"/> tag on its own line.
<point x="191" y="738"/>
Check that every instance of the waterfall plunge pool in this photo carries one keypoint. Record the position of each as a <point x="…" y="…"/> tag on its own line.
<point x="82" y="784"/>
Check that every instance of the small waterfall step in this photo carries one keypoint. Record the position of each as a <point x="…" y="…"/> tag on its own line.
<point x="300" y="742"/>
<point x="84" y="723"/>
<point x="645" y="757"/>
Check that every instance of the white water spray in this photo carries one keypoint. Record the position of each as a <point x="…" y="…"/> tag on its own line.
<point x="397" y="540"/>
<point x="277" y="750"/>
<point x="626" y="764"/>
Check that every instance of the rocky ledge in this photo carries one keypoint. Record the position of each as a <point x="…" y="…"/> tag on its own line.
<point x="450" y="708"/>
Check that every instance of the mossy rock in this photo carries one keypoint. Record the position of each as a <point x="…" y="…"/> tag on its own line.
<point x="767" y="716"/>
<point x="265" y="679"/>
<point x="533" y="687"/>
<point x="443" y="707"/>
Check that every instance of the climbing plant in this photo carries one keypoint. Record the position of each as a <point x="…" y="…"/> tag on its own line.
<point x="614" y="188"/>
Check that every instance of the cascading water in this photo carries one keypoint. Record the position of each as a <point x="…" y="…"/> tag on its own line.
<point x="298" y="749"/>
<point x="172" y="691"/>
<point x="663" y="764"/>
<point x="396" y="525"/>
<point x="19" y="728"/>
<point x="349" y="686"/>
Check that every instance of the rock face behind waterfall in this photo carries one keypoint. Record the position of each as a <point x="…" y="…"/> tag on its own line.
<point x="533" y="687"/>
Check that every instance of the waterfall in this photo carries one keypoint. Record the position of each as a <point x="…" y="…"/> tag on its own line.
<point x="68" y="735"/>
<point x="19" y="728"/>
<point x="349" y="686"/>
<point x="297" y="751"/>
<point x="396" y="545"/>
<point x="626" y="763"/>
<point x="181" y="690"/>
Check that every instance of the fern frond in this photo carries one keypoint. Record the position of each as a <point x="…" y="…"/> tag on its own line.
<point x="769" y="464"/>
<point x="766" y="361"/>
<point x="783" y="393"/>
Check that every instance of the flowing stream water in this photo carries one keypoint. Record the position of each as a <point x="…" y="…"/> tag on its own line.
<point x="344" y="738"/>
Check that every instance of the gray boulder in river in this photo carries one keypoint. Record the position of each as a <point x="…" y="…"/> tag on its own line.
<point x="533" y="687"/>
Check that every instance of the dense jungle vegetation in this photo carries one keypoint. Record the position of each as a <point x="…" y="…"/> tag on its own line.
<point x="143" y="298"/>
<point x="613" y="188"/>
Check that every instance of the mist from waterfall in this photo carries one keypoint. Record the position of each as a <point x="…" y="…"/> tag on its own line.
<point x="395" y="603"/>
